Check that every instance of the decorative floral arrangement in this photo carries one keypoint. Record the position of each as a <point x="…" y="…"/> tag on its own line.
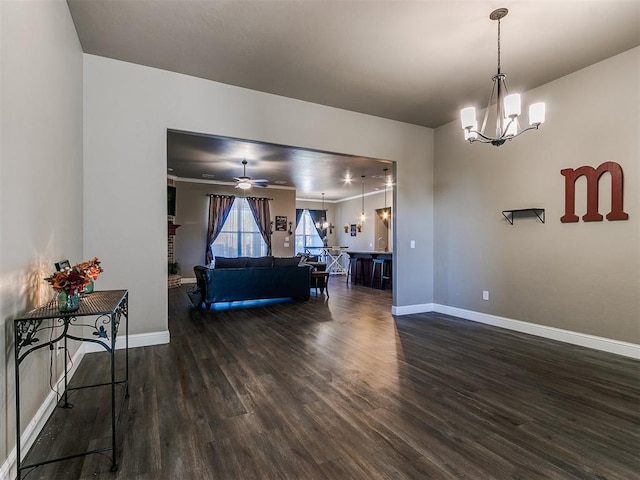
<point x="72" y="280"/>
<point x="92" y="268"/>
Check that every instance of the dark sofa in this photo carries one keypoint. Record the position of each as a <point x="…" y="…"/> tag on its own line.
<point x="247" y="278"/>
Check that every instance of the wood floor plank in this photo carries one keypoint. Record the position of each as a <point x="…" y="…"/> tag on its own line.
<point x="338" y="388"/>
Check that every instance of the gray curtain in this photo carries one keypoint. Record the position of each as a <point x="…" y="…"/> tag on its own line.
<point x="299" y="212"/>
<point x="219" y="208"/>
<point x="262" y="215"/>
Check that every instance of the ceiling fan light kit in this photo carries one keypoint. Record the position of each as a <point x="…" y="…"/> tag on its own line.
<point x="245" y="183"/>
<point x="508" y="107"/>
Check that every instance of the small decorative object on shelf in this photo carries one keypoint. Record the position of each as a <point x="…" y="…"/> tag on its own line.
<point x="70" y="282"/>
<point x="91" y="269"/>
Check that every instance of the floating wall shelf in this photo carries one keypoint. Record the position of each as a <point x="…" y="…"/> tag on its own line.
<point x="510" y="214"/>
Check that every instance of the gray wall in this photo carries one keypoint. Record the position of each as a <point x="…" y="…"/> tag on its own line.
<point x="127" y="110"/>
<point x="348" y="212"/>
<point x="41" y="179"/>
<point x="192" y="206"/>
<point x="583" y="277"/>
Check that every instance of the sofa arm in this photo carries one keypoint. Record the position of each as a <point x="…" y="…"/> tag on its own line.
<point x="203" y="280"/>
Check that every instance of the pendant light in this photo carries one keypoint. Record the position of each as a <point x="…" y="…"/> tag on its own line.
<point x="362" y="215"/>
<point x="385" y="213"/>
<point x="507" y="107"/>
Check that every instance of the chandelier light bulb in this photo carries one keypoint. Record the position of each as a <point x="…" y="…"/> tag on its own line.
<point x="536" y="113"/>
<point x="471" y="133"/>
<point x="468" y="117"/>
<point x="512" y="105"/>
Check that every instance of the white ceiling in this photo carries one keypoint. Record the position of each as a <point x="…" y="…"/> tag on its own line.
<point x="413" y="61"/>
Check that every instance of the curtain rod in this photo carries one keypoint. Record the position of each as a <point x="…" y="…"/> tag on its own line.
<point x="229" y="196"/>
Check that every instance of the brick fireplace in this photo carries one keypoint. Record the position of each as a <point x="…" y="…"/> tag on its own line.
<point x="174" y="279"/>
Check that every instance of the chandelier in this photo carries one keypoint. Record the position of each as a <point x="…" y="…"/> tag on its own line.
<point x="507" y="107"/>
<point x="323" y="224"/>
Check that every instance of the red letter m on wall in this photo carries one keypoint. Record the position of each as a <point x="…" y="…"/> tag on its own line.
<point x="593" y="177"/>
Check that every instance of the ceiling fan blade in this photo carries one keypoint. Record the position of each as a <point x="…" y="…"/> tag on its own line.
<point x="261" y="180"/>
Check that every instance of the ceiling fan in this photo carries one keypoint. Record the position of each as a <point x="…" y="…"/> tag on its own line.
<point x="245" y="182"/>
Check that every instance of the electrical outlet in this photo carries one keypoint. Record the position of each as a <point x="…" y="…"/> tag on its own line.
<point x="485" y="295"/>
<point x="413" y="244"/>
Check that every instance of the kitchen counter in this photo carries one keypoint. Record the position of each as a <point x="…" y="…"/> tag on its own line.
<point x="369" y="254"/>
<point x="365" y="261"/>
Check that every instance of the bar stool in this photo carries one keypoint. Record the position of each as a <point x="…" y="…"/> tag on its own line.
<point x="383" y="271"/>
<point x="354" y="262"/>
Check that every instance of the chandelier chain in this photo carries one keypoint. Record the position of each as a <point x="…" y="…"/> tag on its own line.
<point x="498" y="46"/>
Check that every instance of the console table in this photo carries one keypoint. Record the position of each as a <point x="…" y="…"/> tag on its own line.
<point x="45" y="326"/>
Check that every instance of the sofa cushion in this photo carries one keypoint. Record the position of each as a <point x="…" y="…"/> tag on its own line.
<point x="266" y="261"/>
<point x="286" y="261"/>
<point x="228" y="262"/>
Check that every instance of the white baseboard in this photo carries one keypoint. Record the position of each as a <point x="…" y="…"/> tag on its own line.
<point x="575" y="338"/>
<point x="9" y="467"/>
<point x="137" y="340"/>
<point x="410" y="309"/>
<point x="8" y="470"/>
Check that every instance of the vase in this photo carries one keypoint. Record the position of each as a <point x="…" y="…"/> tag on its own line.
<point x="88" y="288"/>
<point x="68" y="302"/>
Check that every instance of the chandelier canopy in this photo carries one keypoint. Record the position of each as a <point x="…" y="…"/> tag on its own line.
<point x="507" y="107"/>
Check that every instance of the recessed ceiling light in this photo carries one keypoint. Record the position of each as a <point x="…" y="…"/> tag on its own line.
<point x="208" y="175"/>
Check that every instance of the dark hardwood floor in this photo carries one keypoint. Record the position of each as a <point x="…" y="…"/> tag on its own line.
<point x="340" y="389"/>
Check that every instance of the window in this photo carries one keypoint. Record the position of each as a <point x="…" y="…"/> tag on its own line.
<point x="240" y="236"/>
<point x="307" y="237"/>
